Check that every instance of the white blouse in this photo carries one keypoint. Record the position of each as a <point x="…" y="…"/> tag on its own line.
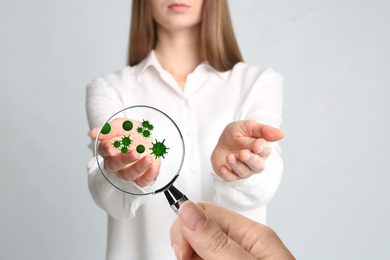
<point x="138" y="226"/>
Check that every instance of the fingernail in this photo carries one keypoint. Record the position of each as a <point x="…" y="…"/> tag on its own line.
<point x="261" y="149"/>
<point x="246" y="156"/>
<point x="266" y="148"/>
<point x="177" y="251"/>
<point x="191" y="216"/>
<point x="146" y="162"/>
<point x="153" y="172"/>
<point x="223" y="170"/>
<point x="233" y="161"/>
<point x="111" y="152"/>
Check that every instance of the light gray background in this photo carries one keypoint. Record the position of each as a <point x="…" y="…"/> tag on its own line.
<point x="333" y="200"/>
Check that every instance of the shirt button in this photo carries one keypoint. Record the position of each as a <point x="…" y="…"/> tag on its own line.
<point x="192" y="169"/>
<point x="189" y="133"/>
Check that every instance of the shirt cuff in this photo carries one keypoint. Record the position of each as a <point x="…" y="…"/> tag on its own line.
<point x="116" y="203"/>
<point x="250" y="193"/>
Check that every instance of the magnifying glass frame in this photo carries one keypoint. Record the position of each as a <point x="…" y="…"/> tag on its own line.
<point x="146" y="193"/>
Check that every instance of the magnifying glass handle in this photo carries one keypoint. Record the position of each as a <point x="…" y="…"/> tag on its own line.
<point x="175" y="198"/>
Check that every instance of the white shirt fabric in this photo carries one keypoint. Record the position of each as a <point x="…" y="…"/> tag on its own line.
<point x="138" y="226"/>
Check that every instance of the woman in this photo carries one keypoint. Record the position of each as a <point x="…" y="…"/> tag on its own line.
<point x="184" y="60"/>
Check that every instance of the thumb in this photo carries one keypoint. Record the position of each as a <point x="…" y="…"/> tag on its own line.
<point x="206" y="237"/>
<point x="270" y="134"/>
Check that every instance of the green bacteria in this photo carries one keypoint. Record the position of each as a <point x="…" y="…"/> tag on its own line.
<point x="140" y="148"/>
<point x="127" y="125"/>
<point x="126" y="141"/>
<point x="145" y="129"/>
<point x="123" y="145"/>
<point x="146" y="133"/>
<point x="117" y="144"/>
<point x="124" y="149"/>
<point x="106" y="129"/>
<point x="159" y="149"/>
<point x="145" y="123"/>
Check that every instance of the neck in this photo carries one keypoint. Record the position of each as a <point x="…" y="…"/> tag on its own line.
<point x="179" y="52"/>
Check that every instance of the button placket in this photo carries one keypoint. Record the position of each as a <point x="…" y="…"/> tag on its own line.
<point x="192" y="179"/>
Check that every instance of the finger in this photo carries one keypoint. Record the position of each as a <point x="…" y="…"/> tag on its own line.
<point x="148" y="177"/>
<point x="251" y="160"/>
<point x="238" y="167"/>
<point x="262" y="148"/>
<point x="227" y="174"/>
<point x="205" y="236"/>
<point x="116" y="163"/>
<point x="258" y="130"/>
<point x="257" y="239"/>
<point x="271" y="134"/>
<point x="179" y="244"/>
<point x="106" y="149"/>
<point x="132" y="171"/>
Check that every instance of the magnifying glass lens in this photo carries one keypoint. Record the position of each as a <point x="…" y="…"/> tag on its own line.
<point x="148" y="132"/>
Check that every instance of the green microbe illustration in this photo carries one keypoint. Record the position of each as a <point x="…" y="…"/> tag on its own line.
<point x="106" y="129"/>
<point x="124" y="149"/>
<point x="145" y="129"/>
<point x="117" y="144"/>
<point x="126" y="141"/>
<point x="140" y="148"/>
<point x="159" y="149"/>
<point x="127" y="125"/>
<point x="145" y="123"/>
<point x="150" y="127"/>
<point x="146" y="133"/>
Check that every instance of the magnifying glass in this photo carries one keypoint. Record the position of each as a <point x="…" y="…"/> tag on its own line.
<point x="148" y="131"/>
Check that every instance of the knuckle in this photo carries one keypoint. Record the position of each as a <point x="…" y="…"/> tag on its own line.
<point x="105" y="146"/>
<point x="267" y="150"/>
<point x="101" y="149"/>
<point x="108" y="165"/>
<point x="140" y="183"/>
<point x="138" y="168"/>
<point x="260" y="168"/>
<point x="250" y="123"/>
<point x="219" y="241"/>
<point x="240" y="172"/>
<point x="230" y="177"/>
<point x="124" y="175"/>
<point x="259" y="165"/>
<point x="125" y="159"/>
<point x="245" y="176"/>
<point x="144" y="180"/>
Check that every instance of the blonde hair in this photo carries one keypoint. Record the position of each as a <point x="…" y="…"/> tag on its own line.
<point x="218" y="42"/>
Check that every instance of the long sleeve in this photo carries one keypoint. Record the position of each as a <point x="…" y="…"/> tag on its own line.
<point x="263" y="103"/>
<point x="102" y="101"/>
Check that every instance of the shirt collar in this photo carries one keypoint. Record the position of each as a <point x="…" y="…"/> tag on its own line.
<point x="207" y="66"/>
<point x="151" y="61"/>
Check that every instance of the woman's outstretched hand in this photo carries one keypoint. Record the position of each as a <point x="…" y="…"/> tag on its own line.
<point x="207" y="231"/>
<point x="242" y="149"/>
<point x="132" y="165"/>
